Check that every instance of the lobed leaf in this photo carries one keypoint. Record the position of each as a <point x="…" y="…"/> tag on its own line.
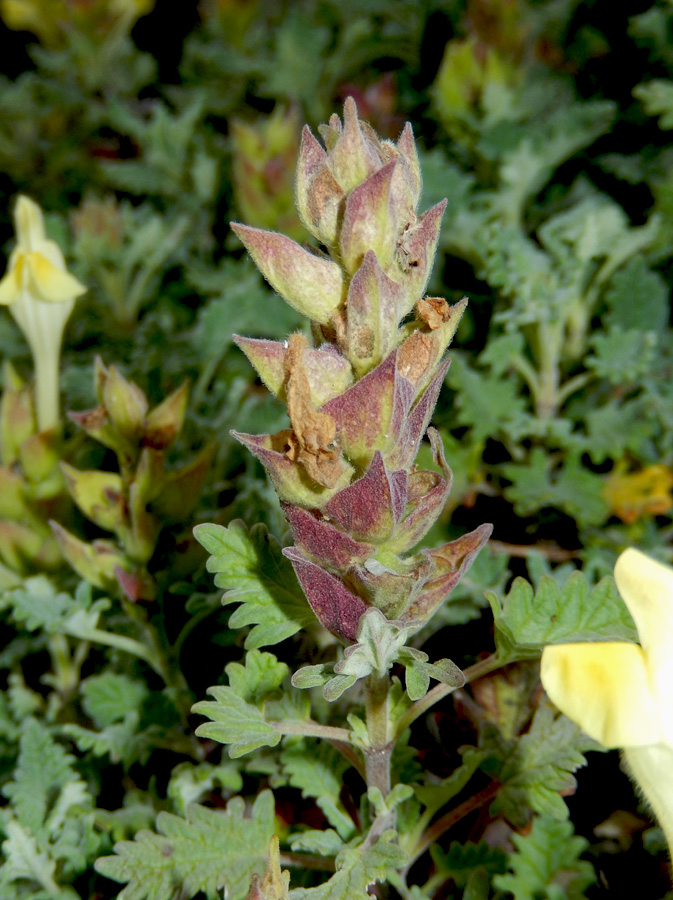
<point x="253" y="571"/>
<point x="209" y="850"/>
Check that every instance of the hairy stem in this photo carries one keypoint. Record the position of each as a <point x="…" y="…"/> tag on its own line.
<point x="313" y="729"/>
<point x="377" y="755"/>
<point x="447" y="821"/>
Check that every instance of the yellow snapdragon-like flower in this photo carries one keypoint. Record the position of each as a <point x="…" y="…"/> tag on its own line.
<point x="621" y="694"/>
<point x="40" y="294"/>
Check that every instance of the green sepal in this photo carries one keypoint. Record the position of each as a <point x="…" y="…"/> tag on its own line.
<point x="99" y="495"/>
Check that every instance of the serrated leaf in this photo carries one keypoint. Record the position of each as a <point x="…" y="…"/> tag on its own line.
<point x="435" y="794"/>
<point x="254" y="573"/>
<point x="25" y="861"/>
<point x="42" y="772"/>
<point x="539" y="766"/>
<point x="461" y="860"/>
<point x="546" y="864"/>
<point x="530" y="619"/>
<point x="318" y="772"/>
<point x="571" y="488"/>
<point x="189" y="782"/>
<point x="235" y="722"/>
<point x="657" y="98"/>
<point x="109" y="697"/>
<point x="324" y="843"/>
<point x="638" y="298"/>
<point x="259" y="678"/>
<point x="622" y="356"/>
<point x="356" y="870"/>
<point x="39" y="605"/>
<point x="209" y="850"/>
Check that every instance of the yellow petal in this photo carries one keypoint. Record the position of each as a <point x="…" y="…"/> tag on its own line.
<point x="10" y="285"/>
<point x="652" y="769"/>
<point x="646" y="587"/>
<point x="604" y="687"/>
<point x="29" y="223"/>
<point x="47" y="282"/>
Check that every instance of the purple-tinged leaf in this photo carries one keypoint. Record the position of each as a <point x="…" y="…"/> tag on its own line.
<point x="322" y="542"/>
<point x="369" y="221"/>
<point x="354" y="155"/>
<point x="363" y="412"/>
<point x="334" y="605"/>
<point x="415" y="424"/>
<point x="406" y="146"/>
<point x="451" y="562"/>
<point x="427" y="495"/>
<point x="416" y="254"/>
<point x="370" y="507"/>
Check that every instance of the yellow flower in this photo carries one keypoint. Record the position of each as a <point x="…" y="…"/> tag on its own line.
<point x="621" y="694"/>
<point x="40" y="294"/>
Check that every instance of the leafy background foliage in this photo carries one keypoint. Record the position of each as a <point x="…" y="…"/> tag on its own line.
<point x="142" y="144"/>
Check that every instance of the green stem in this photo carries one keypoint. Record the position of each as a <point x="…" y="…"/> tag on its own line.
<point x="305" y="861"/>
<point x="128" y="645"/>
<point x="478" y="670"/>
<point x="313" y="729"/>
<point x="443" y="824"/>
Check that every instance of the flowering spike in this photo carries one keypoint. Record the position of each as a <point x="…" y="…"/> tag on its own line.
<point x="361" y="400"/>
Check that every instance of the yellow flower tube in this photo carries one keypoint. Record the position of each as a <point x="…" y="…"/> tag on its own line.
<point x="41" y="295"/>
<point x="621" y="694"/>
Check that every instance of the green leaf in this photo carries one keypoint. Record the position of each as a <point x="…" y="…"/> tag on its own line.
<point x="206" y="851"/>
<point x="529" y="620"/>
<point x="572" y="488"/>
<point x="109" y="697"/>
<point x="189" y="783"/>
<point x="638" y="298"/>
<point x="252" y="569"/>
<point x="25" y="861"/>
<point x="324" y="843"/>
<point x="546" y="864"/>
<point x="317" y="770"/>
<point x="356" y="870"/>
<point x="540" y="765"/>
<point x="486" y="403"/>
<point x="259" y="678"/>
<point x="461" y="860"/>
<point x="622" y="357"/>
<point x="43" y="771"/>
<point x="435" y="794"/>
<point x="657" y="98"/>
<point x="39" y="605"/>
<point x="235" y="722"/>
